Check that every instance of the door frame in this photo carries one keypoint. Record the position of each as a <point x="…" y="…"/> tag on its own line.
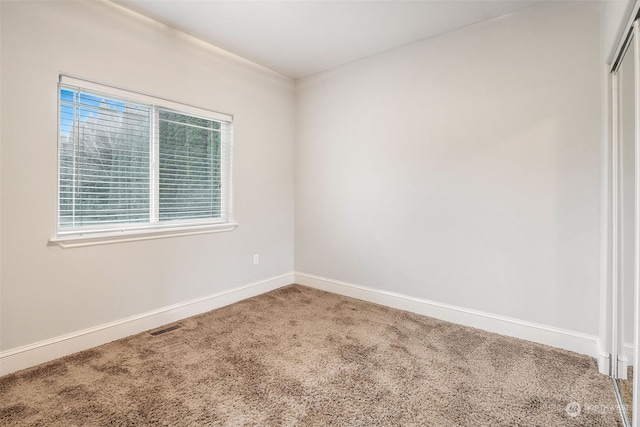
<point x="631" y="33"/>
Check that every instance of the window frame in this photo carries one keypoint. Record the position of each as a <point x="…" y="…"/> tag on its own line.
<point x="114" y="233"/>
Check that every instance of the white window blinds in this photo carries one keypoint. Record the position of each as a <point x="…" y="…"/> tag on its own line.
<point x="129" y="161"/>
<point x="190" y="170"/>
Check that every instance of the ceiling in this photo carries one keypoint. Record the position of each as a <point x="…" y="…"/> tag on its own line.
<point x="304" y="37"/>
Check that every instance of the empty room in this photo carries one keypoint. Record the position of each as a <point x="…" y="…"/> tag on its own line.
<point x="291" y="213"/>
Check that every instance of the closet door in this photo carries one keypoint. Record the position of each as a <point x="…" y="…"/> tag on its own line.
<point x="625" y="214"/>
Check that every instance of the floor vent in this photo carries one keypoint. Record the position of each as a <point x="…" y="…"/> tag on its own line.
<point x="165" y="330"/>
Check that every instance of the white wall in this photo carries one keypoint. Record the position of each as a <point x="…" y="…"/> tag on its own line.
<point x="463" y="169"/>
<point x="48" y="291"/>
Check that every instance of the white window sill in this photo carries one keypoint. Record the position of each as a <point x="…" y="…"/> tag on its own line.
<point x="92" y="239"/>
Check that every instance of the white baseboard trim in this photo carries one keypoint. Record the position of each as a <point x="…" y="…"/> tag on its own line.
<point x="627" y="353"/>
<point x="549" y="335"/>
<point x="43" y="351"/>
<point x="623" y="364"/>
<point x="50" y="349"/>
<point x="604" y="363"/>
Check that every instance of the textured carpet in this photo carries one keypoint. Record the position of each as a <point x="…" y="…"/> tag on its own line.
<point x="302" y="357"/>
<point x="626" y="391"/>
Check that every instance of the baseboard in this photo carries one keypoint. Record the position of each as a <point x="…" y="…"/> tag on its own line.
<point x="556" y="337"/>
<point x="604" y="363"/>
<point x="44" y="351"/>
<point x="627" y="353"/>
<point x="623" y="364"/>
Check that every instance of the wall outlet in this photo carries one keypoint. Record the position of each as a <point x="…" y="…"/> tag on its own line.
<point x="256" y="259"/>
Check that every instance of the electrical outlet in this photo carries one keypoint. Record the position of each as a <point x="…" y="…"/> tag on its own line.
<point x="256" y="259"/>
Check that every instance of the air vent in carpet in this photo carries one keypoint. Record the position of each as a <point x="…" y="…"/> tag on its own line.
<point x="165" y="330"/>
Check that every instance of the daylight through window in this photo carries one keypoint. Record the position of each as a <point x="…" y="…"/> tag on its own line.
<point x="134" y="163"/>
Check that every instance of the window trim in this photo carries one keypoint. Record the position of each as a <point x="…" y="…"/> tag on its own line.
<point x="131" y="235"/>
<point x="115" y="233"/>
<point x="143" y="98"/>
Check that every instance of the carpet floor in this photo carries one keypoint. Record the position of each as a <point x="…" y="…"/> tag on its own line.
<point x="298" y="356"/>
<point x="626" y="391"/>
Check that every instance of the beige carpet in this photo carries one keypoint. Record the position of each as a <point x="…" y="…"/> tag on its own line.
<point x="301" y="357"/>
<point x="626" y="391"/>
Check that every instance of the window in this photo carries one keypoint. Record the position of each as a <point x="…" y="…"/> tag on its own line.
<point x="132" y="166"/>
